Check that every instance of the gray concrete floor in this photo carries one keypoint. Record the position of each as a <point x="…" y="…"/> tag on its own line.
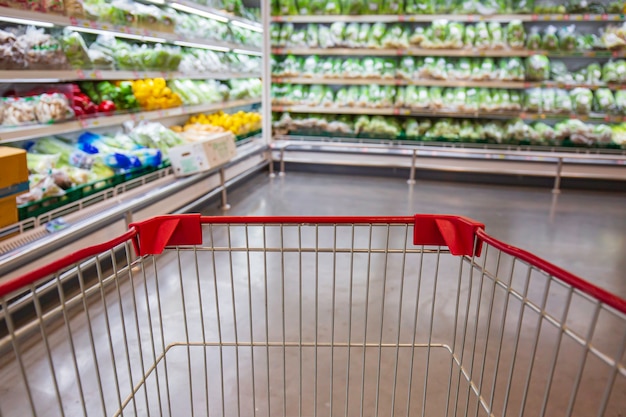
<point x="581" y="231"/>
<point x="350" y="322"/>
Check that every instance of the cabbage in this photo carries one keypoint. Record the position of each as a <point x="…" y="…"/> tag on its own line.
<point x="485" y="102"/>
<point x="351" y="35"/>
<point x="620" y="69"/>
<point x="472" y="100"/>
<point x="594" y="73"/>
<point x="620" y="101"/>
<point x="309" y="67"/>
<point x="515" y="34"/>
<point x="394" y="7"/>
<point x="376" y="35"/>
<point x="604" y="100"/>
<point x="407" y="68"/>
<point x="545" y="132"/>
<point x="439" y="30"/>
<point x="533" y="42"/>
<point x="483" y="39"/>
<point x="389" y="69"/>
<point x="537" y="68"/>
<point x="418" y="7"/>
<point x="287" y="7"/>
<point x="469" y="36"/>
<point x="456" y="31"/>
<point x="567" y="38"/>
<point x="337" y="31"/>
<point x="463" y="69"/>
<point x="550" y="41"/>
<point x="395" y="37"/>
<point x="548" y="100"/>
<point x="411" y="128"/>
<point x="582" y="99"/>
<point x="609" y="73"/>
<point x="325" y="7"/>
<point x="496" y="35"/>
<point x="562" y="102"/>
<point x="285" y="34"/>
<point x="362" y="38"/>
<point x="533" y="100"/>
<point x="312" y="36"/>
<point x="512" y="69"/>
<point x="436" y="96"/>
<point x="353" y="7"/>
<point x="325" y="37"/>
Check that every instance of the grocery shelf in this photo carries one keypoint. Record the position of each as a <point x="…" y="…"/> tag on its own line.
<point x="22" y="76"/>
<point x="443" y="113"/>
<point x="514" y="85"/>
<point x="456" y="18"/>
<point x="398" y="81"/>
<point x="444" y="52"/>
<point x="252" y="25"/>
<point x="30" y="132"/>
<point x="126" y="32"/>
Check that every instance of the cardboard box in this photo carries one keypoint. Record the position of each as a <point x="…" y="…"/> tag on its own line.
<point x="13" y="181"/>
<point x="204" y="155"/>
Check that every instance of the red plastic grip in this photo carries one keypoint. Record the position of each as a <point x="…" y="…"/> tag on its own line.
<point x="456" y="232"/>
<point x="154" y="234"/>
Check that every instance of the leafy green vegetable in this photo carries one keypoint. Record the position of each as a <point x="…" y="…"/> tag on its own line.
<point x="533" y="42"/>
<point x="482" y="39"/>
<point x="469" y="37"/>
<point x="533" y="100"/>
<point x="550" y="41"/>
<point x="537" y="68"/>
<point x="567" y="38"/>
<point x="582" y="100"/>
<point x="515" y="34"/>
<point x="604" y="100"/>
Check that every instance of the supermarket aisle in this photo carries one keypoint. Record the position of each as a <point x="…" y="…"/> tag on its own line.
<point x="582" y="231"/>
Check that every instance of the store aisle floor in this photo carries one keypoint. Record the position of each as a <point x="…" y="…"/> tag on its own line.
<point x="581" y="231"/>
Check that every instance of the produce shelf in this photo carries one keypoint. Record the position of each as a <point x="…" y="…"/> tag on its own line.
<point x="231" y="18"/>
<point x="124" y="31"/>
<point x="455" y="18"/>
<point x="444" y="113"/>
<point x="514" y="85"/>
<point x="30" y="132"/>
<point x="87" y="75"/>
<point x="444" y="52"/>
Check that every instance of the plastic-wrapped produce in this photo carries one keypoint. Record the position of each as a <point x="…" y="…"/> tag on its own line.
<point x="275" y="34"/>
<point x="325" y="38"/>
<point x="562" y="102"/>
<point x="582" y="100"/>
<point x="594" y="74"/>
<point x="567" y="38"/>
<point x="411" y="128"/>
<point x="439" y="29"/>
<point x="505" y="99"/>
<point x="41" y="51"/>
<point x="512" y="69"/>
<point x="533" y="100"/>
<point x="469" y="37"/>
<point x="19" y="111"/>
<point x="515" y="34"/>
<point x="462" y="70"/>
<point x="418" y="7"/>
<point x="472" y="101"/>
<point x="537" y="68"/>
<point x="550" y="41"/>
<point x="338" y="31"/>
<point x="620" y="69"/>
<point x="418" y="36"/>
<point x="75" y="50"/>
<point x="309" y="67"/>
<point x="436" y="97"/>
<point x="396" y="37"/>
<point x="548" y="100"/>
<point x="456" y="32"/>
<point x="376" y="34"/>
<point x="545" y="132"/>
<point x="363" y="36"/>
<point x="427" y="98"/>
<point x="486" y="71"/>
<point x="496" y="34"/>
<point x="482" y="39"/>
<point x="288" y="7"/>
<point x="351" y="35"/>
<point x="53" y="107"/>
<point x="286" y="31"/>
<point x="312" y="36"/>
<point x="353" y="7"/>
<point x="389" y="69"/>
<point x="534" y="42"/>
<point x="394" y="7"/>
<point x="298" y="38"/>
<point x="620" y="101"/>
<point x="604" y="100"/>
<point x="328" y="98"/>
<point x="407" y="68"/>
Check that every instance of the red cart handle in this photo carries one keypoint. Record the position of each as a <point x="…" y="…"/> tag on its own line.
<point x="461" y="235"/>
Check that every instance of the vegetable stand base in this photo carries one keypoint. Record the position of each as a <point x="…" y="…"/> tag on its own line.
<point x="308" y="316"/>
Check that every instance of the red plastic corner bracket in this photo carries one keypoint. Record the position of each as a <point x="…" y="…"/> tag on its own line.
<point x="456" y="232"/>
<point x="155" y="234"/>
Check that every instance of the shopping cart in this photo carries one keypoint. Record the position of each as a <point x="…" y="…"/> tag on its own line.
<point x="307" y="316"/>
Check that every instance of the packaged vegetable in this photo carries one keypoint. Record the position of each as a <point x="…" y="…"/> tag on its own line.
<point x="582" y="100"/>
<point x="40" y="50"/>
<point x="53" y="108"/>
<point x="594" y="74"/>
<point x="533" y="100"/>
<point x="288" y="7"/>
<point x="534" y="42"/>
<point x="396" y="37"/>
<point x="604" y="101"/>
<point x="337" y="31"/>
<point x="515" y="34"/>
<point x="550" y="41"/>
<point x="462" y="70"/>
<point x="312" y="36"/>
<point x="407" y="68"/>
<point x="620" y="101"/>
<point x="418" y="36"/>
<point x="376" y="34"/>
<point x="482" y="39"/>
<point x="18" y="111"/>
<point x="363" y="36"/>
<point x="286" y="32"/>
<point x="75" y="50"/>
<point x="309" y="68"/>
<point x="537" y="68"/>
<point x="419" y="6"/>
<point x="325" y="37"/>
<point x="548" y="100"/>
<point x="469" y="37"/>
<point x="567" y="38"/>
<point x="456" y="33"/>
<point x="496" y="35"/>
<point x="562" y="102"/>
<point x="351" y="35"/>
<point x="512" y="69"/>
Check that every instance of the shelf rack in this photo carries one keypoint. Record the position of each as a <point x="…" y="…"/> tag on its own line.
<point x="513" y="85"/>
<point x="30" y="132"/>
<point x="473" y="52"/>
<point x="124" y="31"/>
<point x="457" y="18"/>
<point x="19" y="76"/>
<point x="598" y="117"/>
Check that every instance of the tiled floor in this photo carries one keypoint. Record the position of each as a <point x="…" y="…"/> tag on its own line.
<point x="353" y="322"/>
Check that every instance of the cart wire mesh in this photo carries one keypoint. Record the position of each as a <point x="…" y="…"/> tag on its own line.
<point x="309" y="317"/>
